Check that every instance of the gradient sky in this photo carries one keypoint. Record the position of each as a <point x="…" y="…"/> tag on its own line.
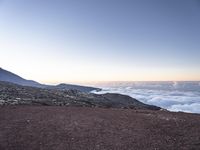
<point x="55" y="41"/>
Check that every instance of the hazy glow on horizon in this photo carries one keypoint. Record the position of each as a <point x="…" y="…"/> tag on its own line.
<point x="109" y="40"/>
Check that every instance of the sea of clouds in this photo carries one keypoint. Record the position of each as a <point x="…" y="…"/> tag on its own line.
<point x="173" y="96"/>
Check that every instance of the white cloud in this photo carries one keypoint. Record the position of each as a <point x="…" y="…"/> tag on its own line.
<point x="194" y="107"/>
<point x="174" y="96"/>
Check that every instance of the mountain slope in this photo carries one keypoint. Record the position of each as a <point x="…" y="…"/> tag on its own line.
<point x="13" y="78"/>
<point x="8" y="76"/>
<point x="13" y="94"/>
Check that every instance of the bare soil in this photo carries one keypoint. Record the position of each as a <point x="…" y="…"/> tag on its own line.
<point x="83" y="128"/>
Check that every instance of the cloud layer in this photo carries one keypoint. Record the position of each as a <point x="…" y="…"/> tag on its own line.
<point x="173" y="96"/>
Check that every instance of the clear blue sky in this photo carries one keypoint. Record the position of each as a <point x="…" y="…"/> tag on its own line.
<point x="100" y="40"/>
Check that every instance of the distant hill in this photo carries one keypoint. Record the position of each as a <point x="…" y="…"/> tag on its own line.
<point x="13" y="78"/>
<point x="8" y="76"/>
<point x="63" y="86"/>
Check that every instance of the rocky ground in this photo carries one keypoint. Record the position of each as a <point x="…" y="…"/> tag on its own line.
<point x="54" y="119"/>
<point x="84" y="128"/>
<point x="13" y="94"/>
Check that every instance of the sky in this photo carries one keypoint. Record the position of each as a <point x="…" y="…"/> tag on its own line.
<point x="79" y="41"/>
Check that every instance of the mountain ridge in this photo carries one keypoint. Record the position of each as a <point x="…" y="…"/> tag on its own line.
<point x="16" y="79"/>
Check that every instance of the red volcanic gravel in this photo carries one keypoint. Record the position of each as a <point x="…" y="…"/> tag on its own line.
<point x="81" y="128"/>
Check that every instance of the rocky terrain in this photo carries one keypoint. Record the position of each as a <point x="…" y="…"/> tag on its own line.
<point x="68" y="117"/>
<point x="13" y="94"/>
<point x="83" y="128"/>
